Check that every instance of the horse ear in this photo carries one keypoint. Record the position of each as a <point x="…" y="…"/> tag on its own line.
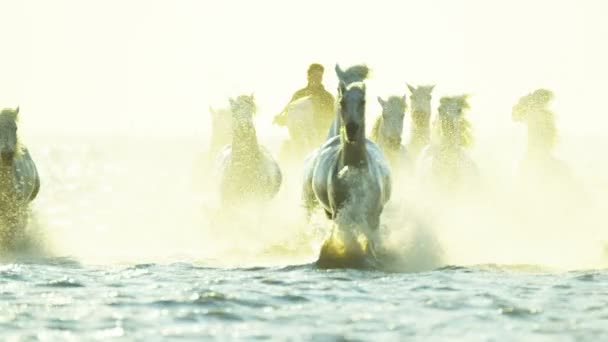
<point x="339" y="72"/>
<point x="17" y="111"/>
<point x="341" y="88"/>
<point x="431" y="88"/>
<point x="381" y="101"/>
<point x="410" y="87"/>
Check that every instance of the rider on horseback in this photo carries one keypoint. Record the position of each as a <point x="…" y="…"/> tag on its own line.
<point x="323" y="102"/>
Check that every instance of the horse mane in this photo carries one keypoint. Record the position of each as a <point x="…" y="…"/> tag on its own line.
<point x="355" y="73"/>
<point x="532" y="109"/>
<point x="8" y="114"/>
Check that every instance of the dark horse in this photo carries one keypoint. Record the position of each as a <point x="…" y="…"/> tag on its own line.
<point x="348" y="176"/>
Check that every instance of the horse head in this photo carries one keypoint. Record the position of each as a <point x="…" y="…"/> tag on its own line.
<point x="453" y="127"/>
<point x="351" y="102"/>
<point x="420" y="100"/>
<point x="352" y="110"/>
<point x="531" y="104"/>
<point x="243" y="109"/>
<point x="532" y="109"/>
<point x="9" y="144"/>
<point x="393" y="112"/>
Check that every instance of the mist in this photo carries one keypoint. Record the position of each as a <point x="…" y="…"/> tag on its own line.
<point x="114" y="100"/>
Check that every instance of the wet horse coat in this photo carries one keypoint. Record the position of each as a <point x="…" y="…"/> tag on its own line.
<point x="348" y="168"/>
<point x="19" y="180"/>
<point x="247" y="171"/>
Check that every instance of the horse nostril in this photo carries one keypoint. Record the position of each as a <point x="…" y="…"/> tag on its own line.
<point x="351" y="130"/>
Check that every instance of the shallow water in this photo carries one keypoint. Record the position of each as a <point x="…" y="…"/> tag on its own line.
<point x="127" y="246"/>
<point x="61" y="299"/>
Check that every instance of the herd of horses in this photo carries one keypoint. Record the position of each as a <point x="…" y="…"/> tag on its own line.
<point x="346" y="175"/>
<point x="349" y="176"/>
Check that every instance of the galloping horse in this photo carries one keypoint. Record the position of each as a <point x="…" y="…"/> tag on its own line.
<point x="540" y="166"/>
<point x="19" y="181"/>
<point x="248" y="173"/>
<point x="348" y="176"/>
<point x="388" y="129"/>
<point x="446" y="162"/>
<point x="420" y="101"/>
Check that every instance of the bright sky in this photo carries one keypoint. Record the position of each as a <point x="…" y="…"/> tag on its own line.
<point x="153" y="67"/>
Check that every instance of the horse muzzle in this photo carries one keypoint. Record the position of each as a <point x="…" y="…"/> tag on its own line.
<point x="352" y="131"/>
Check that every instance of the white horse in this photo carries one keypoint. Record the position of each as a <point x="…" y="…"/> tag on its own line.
<point x="19" y="181"/>
<point x="420" y="134"/>
<point x="446" y="164"/>
<point x="540" y="167"/>
<point x="348" y="176"/>
<point x="247" y="171"/>
<point x="387" y="132"/>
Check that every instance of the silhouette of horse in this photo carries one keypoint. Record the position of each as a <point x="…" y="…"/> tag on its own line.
<point x="420" y="136"/>
<point x="300" y="124"/>
<point x="247" y="171"/>
<point x="19" y="181"/>
<point x="348" y="176"/>
<point x="387" y="131"/>
<point x="446" y="163"/>
<point x="539" y="166"/>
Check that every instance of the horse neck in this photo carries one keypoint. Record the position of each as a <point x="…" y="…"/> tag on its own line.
<point x="381" y="138"/>
<point x="450" y="140"/>
<point x="538" y="146"/>
<point x="421" y="131"/>
<point x="354" y="154"/>
<point x="244" y="143"/>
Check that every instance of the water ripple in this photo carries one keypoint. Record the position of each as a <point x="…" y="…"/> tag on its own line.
<point x="180" y="300"/>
